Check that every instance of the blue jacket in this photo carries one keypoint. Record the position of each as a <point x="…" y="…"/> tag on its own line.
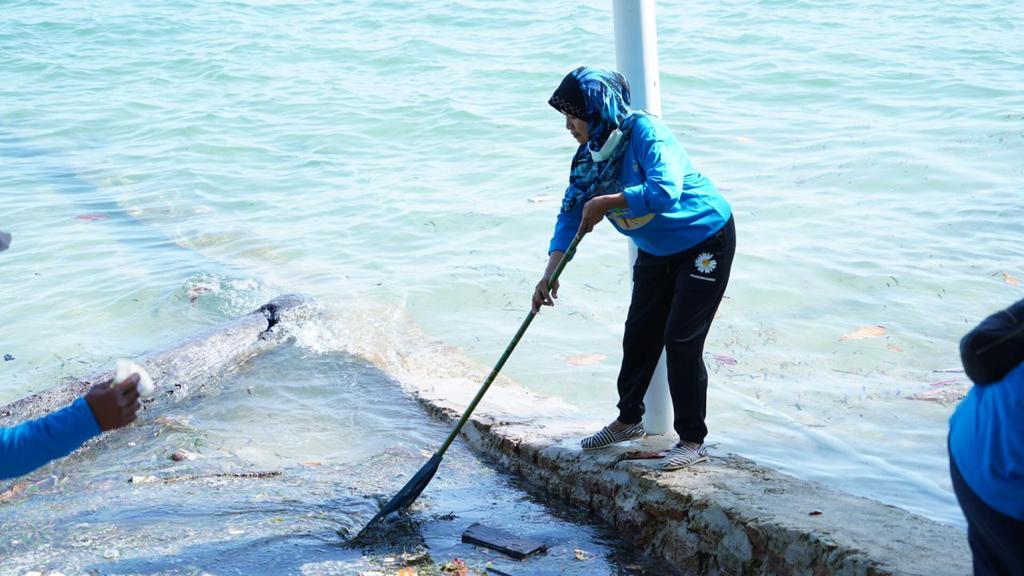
<point x="986" y="433"/>
<point x="32" y="444"/>
<point x="672" y="206"/>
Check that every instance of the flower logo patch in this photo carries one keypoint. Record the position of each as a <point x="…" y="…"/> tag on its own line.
<point x="705" y="263"/>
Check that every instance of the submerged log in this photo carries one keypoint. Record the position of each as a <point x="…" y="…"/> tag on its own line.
<point x="176" y="370"/>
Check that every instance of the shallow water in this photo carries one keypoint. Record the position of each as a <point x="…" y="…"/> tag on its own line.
<point x="349" y="439"/>
<point x="166" y="165"/>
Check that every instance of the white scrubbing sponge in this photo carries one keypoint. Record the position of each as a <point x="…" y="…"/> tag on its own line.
<point x="124" y="370"/>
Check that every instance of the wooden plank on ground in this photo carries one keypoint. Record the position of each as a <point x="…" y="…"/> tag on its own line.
<point x="502" y="541"/>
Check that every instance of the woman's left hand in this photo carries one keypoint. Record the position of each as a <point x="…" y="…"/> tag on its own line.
<point x="593" y="213"/>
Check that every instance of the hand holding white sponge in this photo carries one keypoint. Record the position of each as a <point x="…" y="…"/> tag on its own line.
<point x="124" y="370"/>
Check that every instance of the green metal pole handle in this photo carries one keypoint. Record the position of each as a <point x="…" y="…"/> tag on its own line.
<point x="569" y="253"/>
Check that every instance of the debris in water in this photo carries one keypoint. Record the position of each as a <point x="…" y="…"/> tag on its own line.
<point x="456" y="567"/>
<point x="585" y="359"/>
<point x="189" y="477"/>
<point x="13" y="491"/>
<point x="242" y="475"/>
<point x="814" y="513"/>
<point x="8" y="357"/>
<point x="864" y="332"/>
<point x="502" y="541"/>
<point x="581" y="555"/>
<point x="943" y="392"/>
<point x="541" y="198"/>
<point x="196" y="291"/>
<point x="420" y="556"/>
<point x="171" y="422"/>
<point x="181" y="455"/>
<point x="724" y="360"/>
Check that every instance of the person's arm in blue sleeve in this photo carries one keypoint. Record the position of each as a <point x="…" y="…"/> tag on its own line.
<point x="663" y="165"/>
<point x="566" y="226"/>
<point x="29" y="445"/>
<point x="565" y="230"/>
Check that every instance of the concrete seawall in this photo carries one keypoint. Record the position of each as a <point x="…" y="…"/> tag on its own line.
<point x="727" y="516"/>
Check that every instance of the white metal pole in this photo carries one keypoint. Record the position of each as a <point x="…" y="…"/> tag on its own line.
<point x="636" y="57"/>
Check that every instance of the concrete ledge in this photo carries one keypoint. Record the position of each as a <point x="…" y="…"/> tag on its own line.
<point x="728" y="516"/>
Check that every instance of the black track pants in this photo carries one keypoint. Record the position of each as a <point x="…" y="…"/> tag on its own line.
<point x="674" y="301"/>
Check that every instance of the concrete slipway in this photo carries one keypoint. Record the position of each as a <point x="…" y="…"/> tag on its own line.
<point x="727" y="516"/>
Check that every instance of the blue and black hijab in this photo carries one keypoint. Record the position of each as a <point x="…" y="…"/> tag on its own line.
<point x="601" y="98"/>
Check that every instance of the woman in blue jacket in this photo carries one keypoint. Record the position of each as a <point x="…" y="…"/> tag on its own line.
<point x="632" y="169"/>
<point x="986" y="443"/>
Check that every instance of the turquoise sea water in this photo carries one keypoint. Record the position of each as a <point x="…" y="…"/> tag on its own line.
<point x="167" y="165"/>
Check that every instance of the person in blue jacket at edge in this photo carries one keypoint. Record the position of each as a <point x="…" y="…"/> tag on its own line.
<point x="631" y="168"/>
<point x="29" y="445"/>
<point x="986" y="443"/>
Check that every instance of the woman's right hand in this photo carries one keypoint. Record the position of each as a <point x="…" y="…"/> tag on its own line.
<point x="542" y="296"/>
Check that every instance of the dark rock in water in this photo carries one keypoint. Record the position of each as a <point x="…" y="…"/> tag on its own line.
<point x="8" y="357"/>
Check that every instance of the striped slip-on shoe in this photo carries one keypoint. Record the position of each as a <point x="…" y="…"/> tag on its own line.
<point x="606" y="437"/>
<point x="681" y="456"/>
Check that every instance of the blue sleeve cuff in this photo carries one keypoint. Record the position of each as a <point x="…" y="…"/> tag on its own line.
<point x="558" y="245"/>
<point x="86" y="419"/>
<point x="635" y="199"/>
<point x="565" y="230"/>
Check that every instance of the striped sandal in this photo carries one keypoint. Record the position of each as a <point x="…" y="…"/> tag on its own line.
<point x="681" y="456"/>
<point x="606" y="437"/>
